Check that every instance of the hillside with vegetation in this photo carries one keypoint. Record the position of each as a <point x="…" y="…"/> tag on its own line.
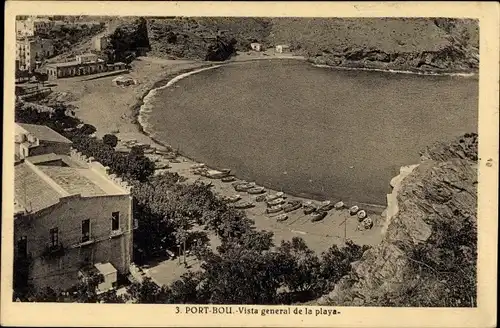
<point x="429" y="254"/>
<point x="435" y="44"/>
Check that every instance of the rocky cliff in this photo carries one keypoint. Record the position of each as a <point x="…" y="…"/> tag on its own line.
<point x="428" y="254"/>
<point x="423" y="44"/>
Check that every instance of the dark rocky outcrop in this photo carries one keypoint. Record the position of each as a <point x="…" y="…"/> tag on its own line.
<point x="428" y="254"/>
<point x="128" y="40"/>
<point x="221" y="50"/>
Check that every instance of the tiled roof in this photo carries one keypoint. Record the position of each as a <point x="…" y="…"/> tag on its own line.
<point x="32" y="192"/>
<point x="43" y="133"/>
<point x="40" y="181"/>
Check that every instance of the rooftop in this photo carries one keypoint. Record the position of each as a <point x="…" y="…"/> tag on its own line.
<point x="42" y="132"/>
<point x="41" y="181"/>
<point x="105" y="268"/>
<point x="73" y="63"/>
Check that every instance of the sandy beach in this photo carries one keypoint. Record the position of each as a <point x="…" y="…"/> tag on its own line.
<point x="121" y="104"/>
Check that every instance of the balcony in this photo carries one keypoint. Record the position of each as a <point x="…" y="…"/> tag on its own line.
<point x="53" y="251"/>
<point x="115" y="233"/>
<point x="85" y="241"/>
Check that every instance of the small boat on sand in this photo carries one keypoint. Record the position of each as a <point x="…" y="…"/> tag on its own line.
<point x="339" y="205"/>
<point x="233" y="199"/>
<point x="256" y="190"/>
<point x="282" y="217"/>
<point x="275" y="196"/>
<point x="277" y="201"/>
<point x="234" y="184"/>
<point x="273" y="209"/>
<point x="197" y="166"/>
<point x="353" y="210"/>
<point x="228" y="179"/>
<point x="367" y="223"/>
<point x="318" y="216"/>
<point x="214" y="174"/>
<point x="361" y="215"/>
<point x="291" y="206"/>
<point x="260" y="198"/>
<point x="326" y="206"/>
<point x="244" y="205"/>
<point x="309" y="209"/>
<point x="244" y="187"/>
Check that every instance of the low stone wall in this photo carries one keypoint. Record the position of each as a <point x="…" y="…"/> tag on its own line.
<point x="97" y="167"/>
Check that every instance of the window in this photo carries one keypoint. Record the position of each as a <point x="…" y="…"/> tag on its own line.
<point x="85" y="230"/>
<point x="115" y="221"/>
<point x="54" y="237"/>
<point x="22" y="247"/>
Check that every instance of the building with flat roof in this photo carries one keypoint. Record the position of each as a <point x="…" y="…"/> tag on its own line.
<point x="33" y="139"/>
<point x="100" y="42"/>
<point x="33" y="26"/>
<point x="82" y="65"/>
<point x="30" y="52"/>
<point x="281" y="48"/>
<point x="70" y="213"/>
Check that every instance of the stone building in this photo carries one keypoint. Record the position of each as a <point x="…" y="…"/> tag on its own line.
<point x="100" y="42"/>
<point x="31" y="51"/>
<point x="281" y="48"/>
<point x="33" y="26"/>
<point x="32" y="139"/>
<point x="70" y="214"/>
<point x="256" y="46"/>
<point x="82" y="65"/>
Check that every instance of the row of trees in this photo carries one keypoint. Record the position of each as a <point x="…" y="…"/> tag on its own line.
<point x="132" y="166"/>
<point x="247" y="268"/>
<point x="255" y="273"/>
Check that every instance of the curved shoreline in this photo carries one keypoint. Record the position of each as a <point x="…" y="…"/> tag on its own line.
<point x="144" y="106"/>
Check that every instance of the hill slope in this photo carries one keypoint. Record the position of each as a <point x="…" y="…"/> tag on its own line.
<point x="392" y="43"/>
<point x="429" y="252"/>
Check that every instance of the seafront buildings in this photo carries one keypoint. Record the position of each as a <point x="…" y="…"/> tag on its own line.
<point x="30" y="51"/>
<point x="84" y="64"/>
<point x="33" y="26"/>
<point x="70" y="214"/>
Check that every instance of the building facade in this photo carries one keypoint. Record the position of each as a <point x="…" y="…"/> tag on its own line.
<point x="32" y="140"/>
<point x="281" y="48"/>
<point x="70" y="214"/>
<point x="82" y="65"/>
<point x="256" y="46"/>
<point x="100" y="42"/>
<point x="33" y="26"/>
<point x="31" y="51"/>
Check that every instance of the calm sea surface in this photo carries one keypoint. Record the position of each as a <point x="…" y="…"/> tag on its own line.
<point x="312" y="131"/>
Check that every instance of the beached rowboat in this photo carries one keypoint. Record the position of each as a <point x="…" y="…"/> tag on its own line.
<point x="292" y="206"/>
<point x="228" y="179"/>
<point x="234" y="184"/>
<point x="244" y="187"/>
<point x="326" y="206"/>
<point x="233" y="199"/>
<point x="309" y="209"/>
<point x="275" y="196"/>
<point x="273" y="209"/>
<point x="260" y="198"/>
<point x="277" y="201"/>
<point x="318" y="216"/>
<point x="256" y="190"/>
<point x="339" y="205"/>
<point x="361" y="215"/>
<point x="367" y="223"/>
<point x="282" y="217"/>
<point x="244" y="205"/>
<point x="353" y="210"/>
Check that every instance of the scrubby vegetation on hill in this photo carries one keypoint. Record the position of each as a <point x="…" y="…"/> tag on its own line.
<point x="429" y="254"/>
<point x="391" y="43"/>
